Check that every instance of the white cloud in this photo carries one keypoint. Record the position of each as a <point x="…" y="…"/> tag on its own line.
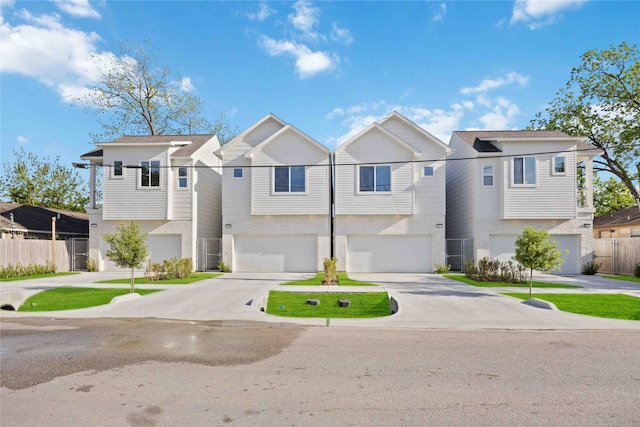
<point x="440" y="12"/>
<point x="341" y="34"/>
<point x="502" y="114"/>
<point x="263" y="12"/>
<point x="308" y="62"/>
<point x="77" y="8"/>
<point x="305" y="19"/>
<point x="489" y="84"/>
<point x="22" y="139"/>
<point x="186" y="85"/>
<point x="539" y="13"/>
<point x="44" y="49"/>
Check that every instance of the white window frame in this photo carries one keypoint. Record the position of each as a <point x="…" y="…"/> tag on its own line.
<point x="553" y="165"/>
<point x="525" y="168"/>
<point x="241" y="170"/>
<point x="375" y="179"/>
<point x="113" y="170"/>
<point x="150" y="187"/>
<point x="433" y="171"/>
<point x="486" y="175"/>
<point x="185" y="177"/>
<point x="288" y="192"/>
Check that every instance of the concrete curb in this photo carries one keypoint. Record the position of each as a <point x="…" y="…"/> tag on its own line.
<point x="123" y="298"/>
<point x="538" y="303"/>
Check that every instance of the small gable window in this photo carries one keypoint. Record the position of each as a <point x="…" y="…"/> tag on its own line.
<point x="375" y="178"/>
<point x="427" y="171"/>
<point x="183" y="178"/>
<point x="487" y="176"/>
<point x="237" y="172"/>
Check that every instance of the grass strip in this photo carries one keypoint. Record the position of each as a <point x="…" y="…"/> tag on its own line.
<point x="294" y="304"/>
<point x="38" y="276"/>
<point x="626" y="278"/>
<point x="464" y="279"/>
<point x="343" y="280"/>
<point x="195" y="277"/>
<point x="612" y="306"/>
<point x="71" y="298"/>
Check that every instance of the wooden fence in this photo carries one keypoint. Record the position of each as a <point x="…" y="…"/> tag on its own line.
<point x="617" y="256"/>
<point x="25" y="252"/>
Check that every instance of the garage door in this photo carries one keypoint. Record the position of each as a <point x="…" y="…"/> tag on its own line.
<point x="159" y="248"/>
<point x="296" y="253"/>
<point x="389" y="254"/>
<point x="503" y="248"/>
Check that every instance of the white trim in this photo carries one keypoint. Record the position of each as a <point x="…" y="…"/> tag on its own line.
<point x="113" y="170"/>
<point x="492" y="175"/>
<point x="139" y="176"/>
<point x="524" y="171"/>
<point x="553" y="165"/>
<point x="433" y="171"/>
<point x="288" y="193"/>
<point x="187" y="177"/>
<point x="233" y="173"/>
<point x="374" y="191"/>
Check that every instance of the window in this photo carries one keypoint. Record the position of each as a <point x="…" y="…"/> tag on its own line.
<point x="559" y="163"/>
<point x="375" y="178"/>
<point x="289" y="179"/>
<point x="524" y="171"/>
<point x="427" y="171"/>
<point x="150" y="174"/>
<point x="487" y="176"/>
<point x="117" y="168"/>
<point x="183" y="177"/>
<point x="237" y="172"/>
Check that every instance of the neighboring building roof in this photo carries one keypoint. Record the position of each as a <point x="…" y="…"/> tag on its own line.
<point x="93" y="153"/>
<point x="620" y="217"/>
<point x="494" y="135"/>
<point x="482" y="146"/>
<point x="191" y="143"/>
<point x="38" y="220"/>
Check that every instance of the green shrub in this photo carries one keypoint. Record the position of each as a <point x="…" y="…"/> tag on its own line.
<point x="636" y="272"/>
<point x="153" y="271"/>
<point x="470" y="270"/>
<point x="19" y="270"/>
<point x="590" y="268"/>
<point x="493" y="270"/>
<point x="330" y="271"/>
<point x="441" y="269"/>
<point x="185" y="268"/>
<point x="224" y="268"/>
<point x="172" y="268"/>
<point x="92" y="265"/>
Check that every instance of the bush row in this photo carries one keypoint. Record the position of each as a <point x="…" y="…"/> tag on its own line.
<point x="28" y="270"/>
<point x="493" y="270"/>
<point x="173" y="268"/>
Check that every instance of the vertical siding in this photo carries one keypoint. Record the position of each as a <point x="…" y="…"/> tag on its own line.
<point x="122" y="199"/>
<point x="290" y="149"/>
<point x="554" y="196"/>
<point x="374" y="147"/>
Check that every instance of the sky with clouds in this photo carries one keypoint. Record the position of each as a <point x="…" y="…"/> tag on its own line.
<point x="328" y="68"/>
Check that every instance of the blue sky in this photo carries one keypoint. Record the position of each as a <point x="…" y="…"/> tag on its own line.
<point x="328" y="68"/>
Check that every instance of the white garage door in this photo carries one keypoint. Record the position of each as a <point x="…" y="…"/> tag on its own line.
<point x="389" y="254"/>
<point x="503" y="248"/>
<point x="159" y="248"/>
<point x="296" y="253"/>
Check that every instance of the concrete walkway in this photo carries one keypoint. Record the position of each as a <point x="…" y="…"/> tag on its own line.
<point x="425" y="301"/>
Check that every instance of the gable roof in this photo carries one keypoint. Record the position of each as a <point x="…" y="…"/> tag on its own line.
<point x="247" y="131"/>
<point x="188" y="144"/>
<point x="619" y="217"/>
<point x="419" y="129"/>
<point x="470" y="137"/>
<point x="385" y="132"/>
<point x="287" y="128"/>
<point x="38" y="220"/>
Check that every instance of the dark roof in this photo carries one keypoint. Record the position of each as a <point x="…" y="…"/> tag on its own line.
<point x="93" y="153"/>
<point x="163" y="138"/>
<point x="485" y="146"/>
<point x="620" y="217"/>
<point x="493" y="135"/>
<point x="36" y="219"/>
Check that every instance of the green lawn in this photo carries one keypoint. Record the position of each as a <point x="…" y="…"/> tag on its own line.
<point x="462" y="278"/>
<point x="363" y="305"/>
<point x="627" y="278"/>
<point x="195" y="277"/>
<point x="316" y="280"/>
<point x="38" y="276"/>
<point x="70" y="298"/>
<point x="614" y="306"/>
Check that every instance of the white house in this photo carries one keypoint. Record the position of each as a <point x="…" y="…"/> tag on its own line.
<point x="170" y="185"/>
<point x="390" y="199"/>
<point x="275" y="199"/>
<point x="499" y="182"/>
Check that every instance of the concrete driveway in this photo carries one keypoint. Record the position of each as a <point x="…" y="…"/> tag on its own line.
<point x="425" y="301"/>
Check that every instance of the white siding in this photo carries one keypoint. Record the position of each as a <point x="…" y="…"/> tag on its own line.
<point x="181" y="199"/>
<point x="122" y="198"/>
<point x="554" y="196"/>
<point x="374" y="147"/>
<point x="462" y="190"/>
<point x="290" y="149"/>
<point x="207" y="188"/>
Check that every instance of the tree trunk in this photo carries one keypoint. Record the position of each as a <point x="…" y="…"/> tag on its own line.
<point x="132" y="281"/>
<point x="530" y="282"/>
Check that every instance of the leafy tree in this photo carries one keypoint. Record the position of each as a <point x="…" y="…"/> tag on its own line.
<point x="535" y="251"/>
<point x="610" y="195"/>
<point x="127" y="247"/>
<point x="602" y="101"/>
<point x="46" y="183"/>
<point x="137" y="96"/>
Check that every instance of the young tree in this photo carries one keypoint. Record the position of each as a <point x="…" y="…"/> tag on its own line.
<point x="610" y="195"/>
<point x="535" y="251"/>
<point x="602" y="102"/>
<point x="137" y="96"/>
<point x="127" y="247"/>
<point x="43" y="182"/>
